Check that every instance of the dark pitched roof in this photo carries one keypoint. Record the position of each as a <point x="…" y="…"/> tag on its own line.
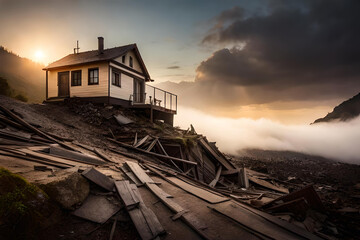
<point x="94" y="56"/>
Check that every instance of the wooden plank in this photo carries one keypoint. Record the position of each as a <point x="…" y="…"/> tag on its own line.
<point x="96" y="209"/>
<point x="182" y="177"/>
<point x="257" y="224"/>
<point x="223" y="161"/>
<point x="187" y="217"/>
<point x="152" y="220"/>
<point x="37" y="131"/>
<point x="26" y="158"/>
<point x="163" y="197"/>
<point x="140" y="223"/>
<point x="130" y="175"/>
<point x="165" y="153"/>
<point x="268" y="185"/>
<point x="17" y="137"/>
<point x="275" y="220"/>
<point x="142" y="141"/>
<point x="11" y="123"/>
<point x="84" y="146"/>
<point x="198" y="192"/>
<point x="75" y="155"/>
<point x="113" y="229"/>
<point x="98" y="178"/>
<point x="19" y="134"/>
<point x="152" y="144"/>
<point x="145" y="221"/>
<point x="5" y="141"/>
<point x="127" y="195"/>
<point x="56" y="159"/>
<point x="151" y="153"/>
<point x="102" y="155"/>
<point x="216" y="179"/>
<point x="135" y="139"/>
<point x="307" y="192"/>
<point x="139" y="172"/>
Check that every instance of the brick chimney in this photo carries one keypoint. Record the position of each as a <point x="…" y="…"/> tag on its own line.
<point x="101" y="45"/>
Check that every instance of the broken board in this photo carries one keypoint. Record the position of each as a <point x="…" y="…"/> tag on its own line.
<point x="127" y="195"/>
<point x="99" y="179"/>
<point x="268" y="185"/>
<point x="139" y="172"/>
<point x="260" y="225"/>
<point x="75" y="155"/>
<point x="96" y="209"/>
<point x="199" y="192"/>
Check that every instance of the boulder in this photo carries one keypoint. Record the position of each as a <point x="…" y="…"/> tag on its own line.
<point x="67" y="188"/>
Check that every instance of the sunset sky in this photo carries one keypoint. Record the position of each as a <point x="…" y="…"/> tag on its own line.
<point x="288" y="61"/>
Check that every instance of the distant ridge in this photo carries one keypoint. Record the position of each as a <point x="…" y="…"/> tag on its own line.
<point x="345" y="111"/>
<point x="24" y="76"/>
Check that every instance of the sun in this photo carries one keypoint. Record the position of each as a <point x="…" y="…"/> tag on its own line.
<point x="39" y="56"/>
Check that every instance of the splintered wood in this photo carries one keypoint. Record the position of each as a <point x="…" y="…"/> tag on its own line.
<point x="99" y="179"/>
<point x="199" y="192"/>
<point x="187" y="217"/>
<point x="144" y="219"/>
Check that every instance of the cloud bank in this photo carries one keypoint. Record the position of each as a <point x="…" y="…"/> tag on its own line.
<point x="291" y="51"/>
<point x="338" y="140"/>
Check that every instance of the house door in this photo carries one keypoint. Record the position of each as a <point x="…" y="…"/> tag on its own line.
<point x="63" y="84"/>
<point x="137" y="91"/>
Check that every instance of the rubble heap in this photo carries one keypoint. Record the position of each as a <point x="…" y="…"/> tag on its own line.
<point x="192" y="179"/>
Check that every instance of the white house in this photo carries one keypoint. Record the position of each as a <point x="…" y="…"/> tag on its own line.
<point x="116" y="76"/>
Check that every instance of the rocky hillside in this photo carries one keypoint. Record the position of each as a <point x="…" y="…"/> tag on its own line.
<point x="22" y="74"/>
<point x="343" y="112"/>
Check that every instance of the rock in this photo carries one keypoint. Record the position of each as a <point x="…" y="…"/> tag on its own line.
<point x="24" y="208"/>
<point x="68" y="188"/>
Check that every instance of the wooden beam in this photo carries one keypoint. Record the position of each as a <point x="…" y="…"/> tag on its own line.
<point x="37" y="131"/>
<point x="141" y="142"/>
<point x="216" y="179"/>
<point x="151" y="153"/>
<point x="222" y="160"/>
<point x="127" y="195"/>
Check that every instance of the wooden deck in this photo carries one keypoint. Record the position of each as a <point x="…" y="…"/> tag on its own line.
<point x="154" y="107"/>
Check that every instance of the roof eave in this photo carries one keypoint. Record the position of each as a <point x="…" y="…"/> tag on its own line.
<point x="76" y="64"/>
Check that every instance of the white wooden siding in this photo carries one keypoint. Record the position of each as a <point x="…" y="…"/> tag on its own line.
<point x="125" y="70"/>
<point x="85" y="90"/>
<point x="126" y="89"/>
<point x="136" y="64"/>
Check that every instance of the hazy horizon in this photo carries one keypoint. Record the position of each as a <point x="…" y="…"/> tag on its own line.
<point x="264" y="64"/>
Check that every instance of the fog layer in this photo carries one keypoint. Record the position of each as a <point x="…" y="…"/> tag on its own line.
<point x="337" y="140"/>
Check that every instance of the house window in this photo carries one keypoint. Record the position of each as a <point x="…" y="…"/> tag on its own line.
<point x="93" y="76"/>
<point x="76" y="78"/>
<point x="116" y="79"/>
<point x="123" y="59"/>
<point x="130" y="61"/>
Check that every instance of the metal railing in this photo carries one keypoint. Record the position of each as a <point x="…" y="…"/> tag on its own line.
<point x="161" y="98"/>
<point x="155" y="96"/>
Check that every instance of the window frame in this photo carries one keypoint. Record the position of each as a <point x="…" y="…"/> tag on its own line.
<point x="131" y="63"/>
<point x="113" y="81"/>
<point x="123" y="58"/>
<point x="90" y="70"/>
<point x="78" y="81"/>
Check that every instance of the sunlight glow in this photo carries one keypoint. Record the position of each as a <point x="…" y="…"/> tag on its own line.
<point x="39" y="56"/>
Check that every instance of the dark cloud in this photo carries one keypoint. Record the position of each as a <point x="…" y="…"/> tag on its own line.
<point x="173" y="67"/>
<point x="292" y="52"/>
<point x="229" y="16"/>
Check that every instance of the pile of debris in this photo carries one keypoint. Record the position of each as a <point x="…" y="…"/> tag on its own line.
<point x="120" y="183"/>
